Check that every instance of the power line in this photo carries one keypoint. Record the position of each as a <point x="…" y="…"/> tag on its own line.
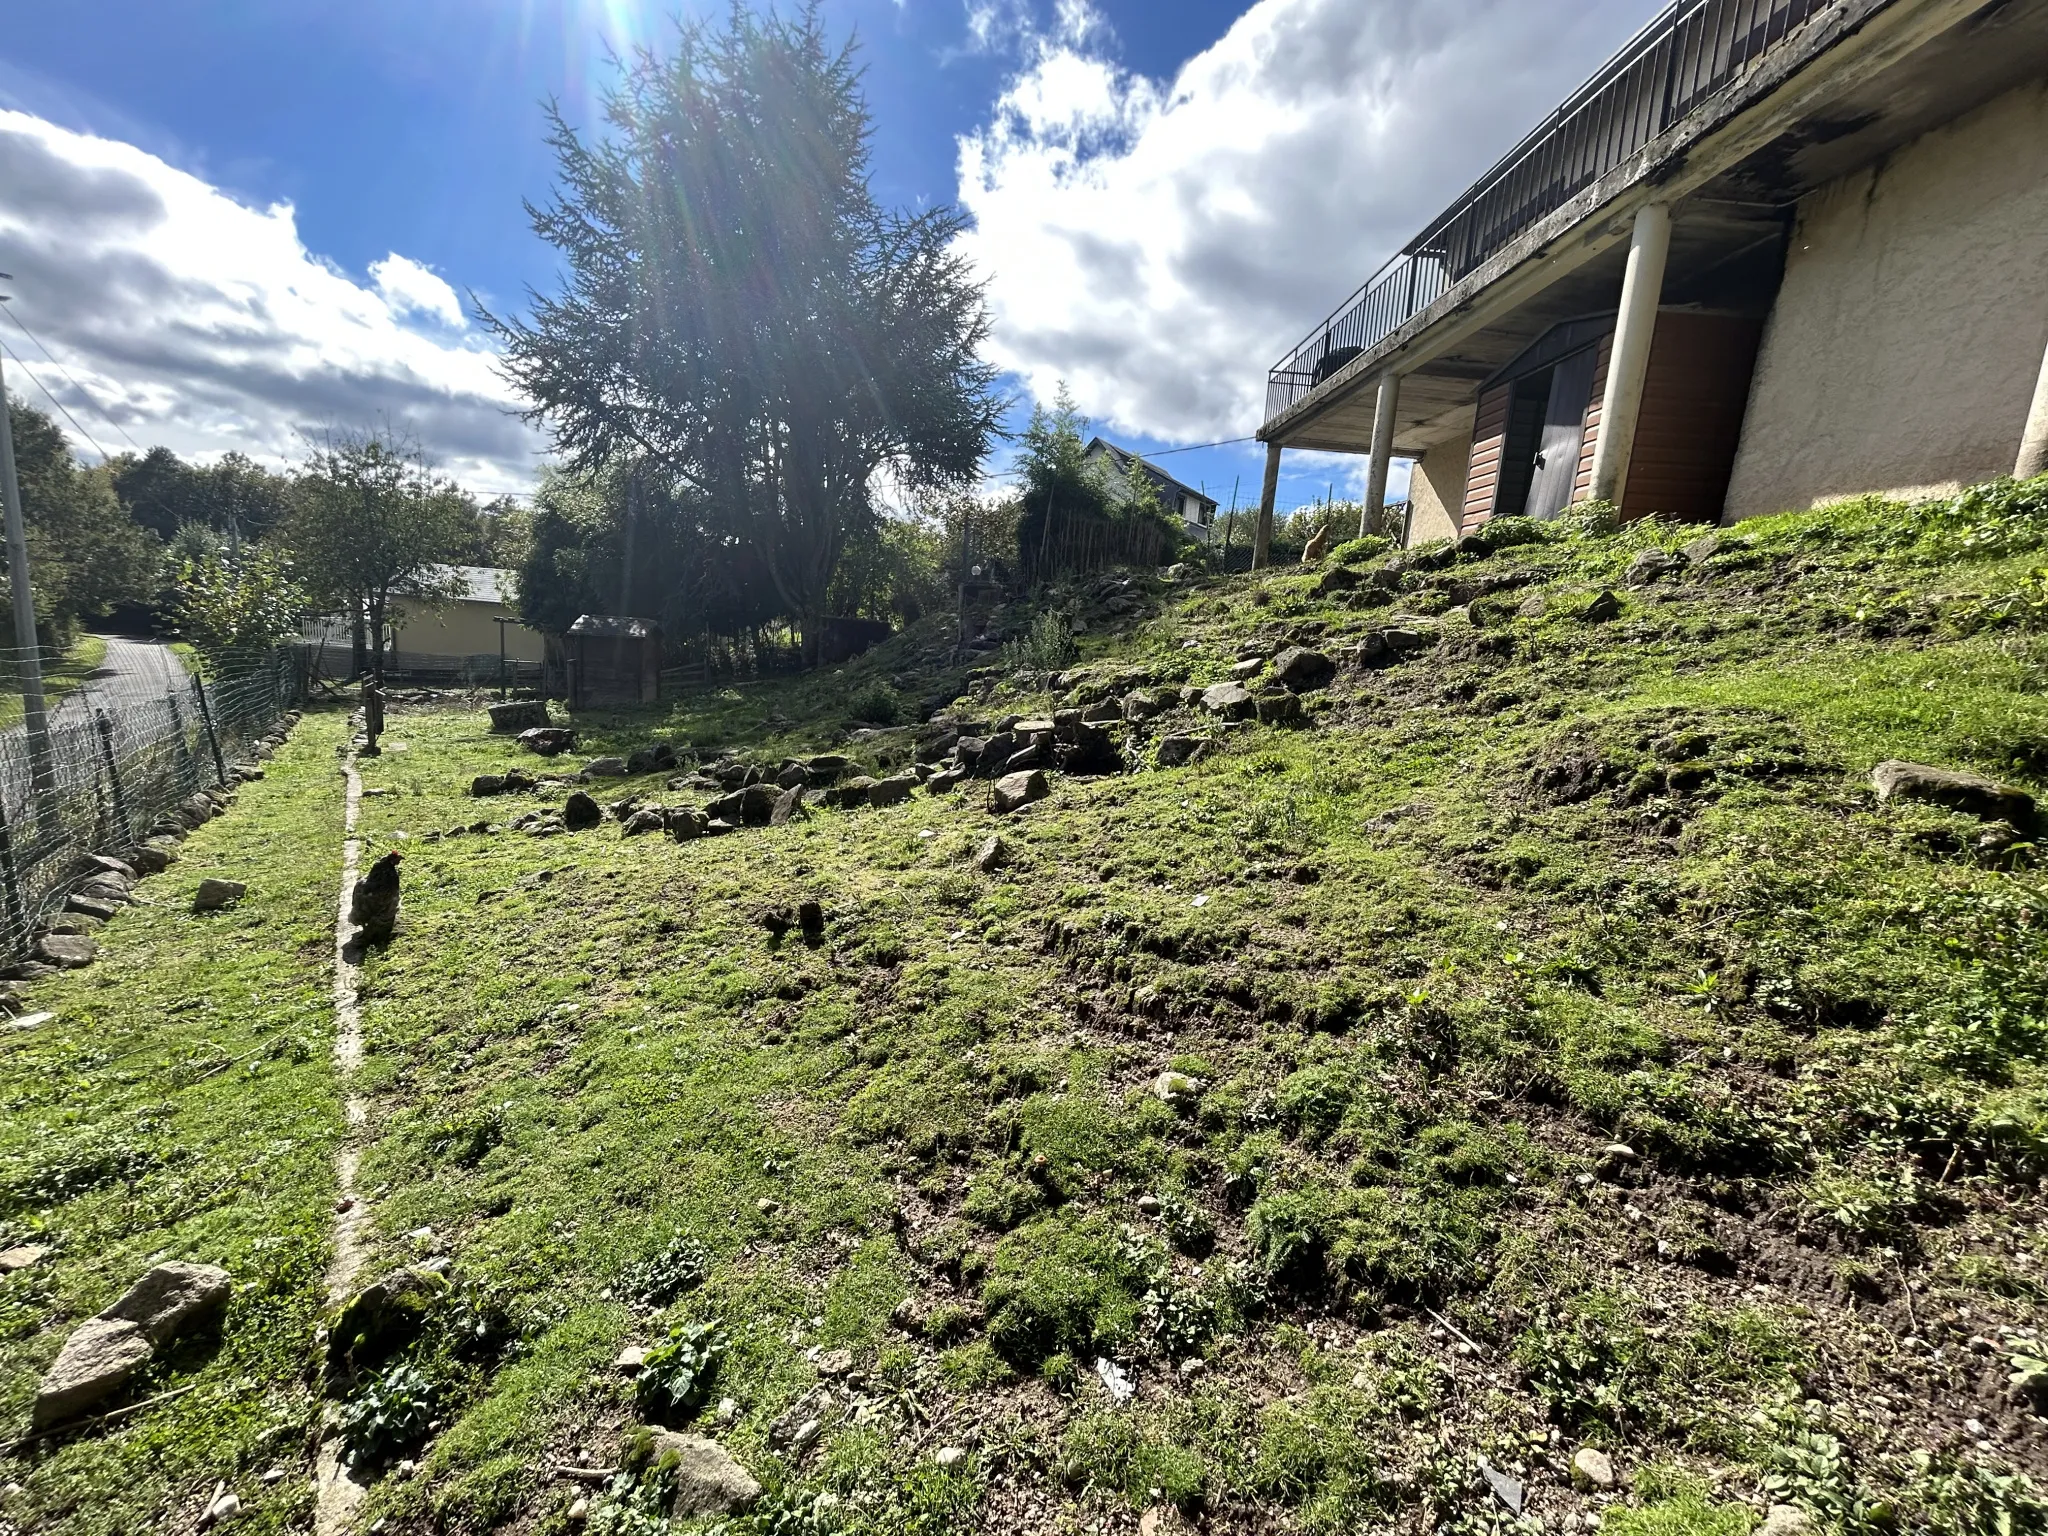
<point x="39" y="384"/>
<point x="1192" y="447"/>
<point x="32" y="336"/>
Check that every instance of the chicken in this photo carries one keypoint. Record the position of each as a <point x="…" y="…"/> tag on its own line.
<point x="373" y="905"/>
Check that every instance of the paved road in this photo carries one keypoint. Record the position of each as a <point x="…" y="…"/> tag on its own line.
<point x="132" y="669"/>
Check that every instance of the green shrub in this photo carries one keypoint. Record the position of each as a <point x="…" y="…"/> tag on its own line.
<point x="678" y="1373"/>
<point x="999" y="1202"/>
<point x="875" y="704"/>
<point x="680" y="1267"/>
<point x="388" y="1415"/>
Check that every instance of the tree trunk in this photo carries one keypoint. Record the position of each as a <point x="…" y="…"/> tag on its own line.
<point x="358" y="659"/>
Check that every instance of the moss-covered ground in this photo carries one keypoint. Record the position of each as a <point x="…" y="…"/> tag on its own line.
<point x="1564" y="1049"/>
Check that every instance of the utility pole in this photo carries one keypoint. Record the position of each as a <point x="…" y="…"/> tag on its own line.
<point x="42" y="764"/>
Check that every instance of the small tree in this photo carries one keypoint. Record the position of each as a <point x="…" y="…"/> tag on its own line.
<point x="232" y="609"/>
<point x="369" y="522"/>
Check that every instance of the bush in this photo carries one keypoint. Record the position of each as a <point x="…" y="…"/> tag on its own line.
<point x="876" y="704"/>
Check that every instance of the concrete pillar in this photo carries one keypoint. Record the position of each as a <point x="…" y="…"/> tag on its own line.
<point x="1262" y="534"/>
<point x="2033" y="459"/>
<point x="1373" y="512"/>
<point x="1629" y="361"/>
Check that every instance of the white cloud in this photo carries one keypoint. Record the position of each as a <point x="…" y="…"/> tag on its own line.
<point x="408" y="288"/>
<point x="206" y="325"/>
<point x="1159" y="244"/>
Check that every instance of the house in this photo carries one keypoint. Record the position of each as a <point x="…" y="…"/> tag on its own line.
<point x="1195" y="510"/>
<point x="470" y="624"/>
<point x="1775" y="252"/>
<point x="466" y="636"/>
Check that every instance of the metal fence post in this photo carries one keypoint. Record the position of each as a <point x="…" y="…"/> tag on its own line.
<point x="105" y="730"/>
<point x="212" y="736"/>
<point x="10" y="879"/>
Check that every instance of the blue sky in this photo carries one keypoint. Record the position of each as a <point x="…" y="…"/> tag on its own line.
<point x="244" y="220"/>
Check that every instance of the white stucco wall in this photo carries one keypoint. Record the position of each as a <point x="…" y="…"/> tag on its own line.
<point x="1903" y="348"/>
<point x="1436" y="489"/>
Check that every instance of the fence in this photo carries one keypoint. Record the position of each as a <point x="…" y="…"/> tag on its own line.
<point x="126" y="745"/>
<point x="1666" y="71"/>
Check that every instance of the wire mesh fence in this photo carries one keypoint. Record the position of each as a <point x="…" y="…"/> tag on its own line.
<point x="128" y="744"/>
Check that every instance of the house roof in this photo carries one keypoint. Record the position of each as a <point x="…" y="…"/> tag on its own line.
<point x="481" y="583"/>
<point x="614" y="626"/>
<point x="1122" y="457"/>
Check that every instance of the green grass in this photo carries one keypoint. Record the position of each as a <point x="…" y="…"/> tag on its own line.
<point x="181" y="1105"/>
<point x="1550" y="885"/>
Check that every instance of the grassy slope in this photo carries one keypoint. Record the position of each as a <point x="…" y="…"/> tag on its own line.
<point x="182" y="1105"/>
<point x="1549" y="885"/>
<point x="1424" y="992"/>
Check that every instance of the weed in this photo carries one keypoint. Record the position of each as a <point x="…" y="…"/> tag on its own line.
<point x="680" y="1267"/>
<point x="388" y="1415"/>
<point x="678" y="1373"/>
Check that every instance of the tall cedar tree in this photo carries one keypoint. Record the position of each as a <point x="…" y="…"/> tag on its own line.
<point x="740" y="312"/>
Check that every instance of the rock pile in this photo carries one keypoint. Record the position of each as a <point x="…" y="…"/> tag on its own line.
<point x="105" y="1351"/>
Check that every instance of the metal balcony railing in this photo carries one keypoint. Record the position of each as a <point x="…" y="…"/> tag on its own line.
<point x="1675" y="63"/>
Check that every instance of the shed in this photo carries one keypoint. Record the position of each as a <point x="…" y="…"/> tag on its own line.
<point x="611" y="660"/>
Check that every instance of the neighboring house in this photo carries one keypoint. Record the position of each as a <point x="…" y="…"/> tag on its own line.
<point x="461" y="633"/>
<point x="1774" y="253"/>
<point x="467" y="625"/>
<point x="1195" y="510"/>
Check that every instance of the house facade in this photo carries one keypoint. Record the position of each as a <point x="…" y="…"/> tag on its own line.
<point x="1196" y="510"/>
<point x="1775" y="252"/>
<point x="466" y="634"/>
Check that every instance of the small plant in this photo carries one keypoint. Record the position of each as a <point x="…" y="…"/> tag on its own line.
<point x="1964" y="1498"/>
<point x="463" y="1139"/>
<point x="389" y="1416"/>
<point x="679" y="1268"/>
<point x="1046" y="646"/>
<point x="677" y="1374"/>
<point x="1180" y="1320"/>
<point x="2029" y="1361"/>
<point x="1187" y="1226"/>
<point x="876" y="704"/>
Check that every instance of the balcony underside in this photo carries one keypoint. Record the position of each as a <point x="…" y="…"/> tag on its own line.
<point x="1727" y="230"/>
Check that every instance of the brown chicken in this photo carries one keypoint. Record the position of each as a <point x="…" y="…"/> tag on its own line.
<point x="373" y="905"/>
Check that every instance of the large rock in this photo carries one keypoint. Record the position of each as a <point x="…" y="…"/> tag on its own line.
<point x="1179" y="751"/>
<point x="1958" y="790"/>
<point x="993" y="855"/>
<point x="547" y="740"/>
<point x="519" y="715"/>
<point x="154" y="858"/>
<point x="1301" y="669"/>
<point x="1647" y="567"/>
<point x="107" y="865"/>
<point x="71" y="951"/>
<point x="214" y="894"/>
<point x="708" y="1481"/>
<point x="1091" y="750"/>
<point x="486" y="784"/>
<point x="891" y="791"/>
<point x="383" y="1318"/>
<point x="104" y="1352"/>
<point x="1274" y="708"/>
<point x="171" y="1296"/>
<point x="854" y="792"/>
<point x="1230" y="700"/>
<point x="685" y="823"/>
<point x="1019" y="789"/>
<point x="580" y="812"/>
<point x="787" y="805"/>
<point x="605" y="768"/>
<point x="97" y="907"/>
<point x="757" y="804"/>
<point x="658" y="758"/>
<point x="653" y="819"/>
<point x="95" y="1362"/>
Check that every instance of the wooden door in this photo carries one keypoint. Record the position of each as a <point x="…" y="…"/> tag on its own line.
<point x="1564" y="421"/>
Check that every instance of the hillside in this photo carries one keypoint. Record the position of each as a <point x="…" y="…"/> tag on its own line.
<point x="1532" y="1033"/>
